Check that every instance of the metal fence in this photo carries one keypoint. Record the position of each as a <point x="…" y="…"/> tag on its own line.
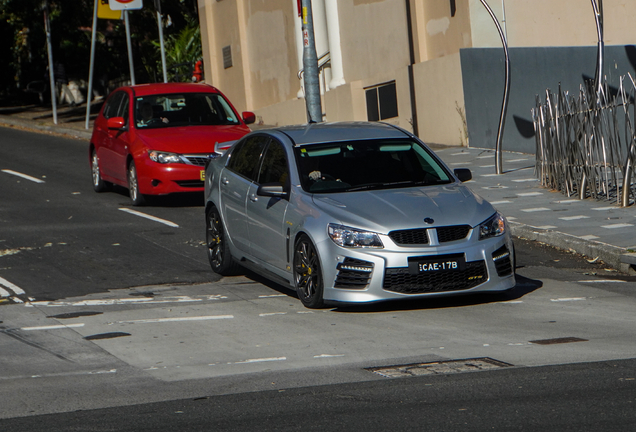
<point x="585" y="143"/>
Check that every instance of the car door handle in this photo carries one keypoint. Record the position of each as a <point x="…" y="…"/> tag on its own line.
<point x="225" y="181"/>
<point x="253" y="198"/>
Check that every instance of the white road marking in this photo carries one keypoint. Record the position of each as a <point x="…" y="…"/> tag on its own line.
<point x="538" y="209"/>
<point x="500" y="202"/>
<point x="546" y="227"/>
<point x="272" y="313"/>
<point x="16" y="289"/>
<point x="568" y="299"/>
<point x="605" y="208"/>
<point x="460" y="154"/>
<point x="525" y="180"/>
<point x="602" y="281"/>
<point x="571" y="218"/>
<point x="527" y="194"/>
<point x="112" y="302"/>
<point x="62" y="374"/>
<point x="328" y="356"/>
<point x="615" y="226"/>
<point x="4" y="293"/>
<point x="52" y="327"/>
<point x="517" y="160"/>
<point x="260" y="360"/>
<point x="152" y="218"/>
<point x="589" y="237"/>
<point x="485" y="157"/>
<point x="176" y="319"/>
<point x="24" y="176"/>
<point x="272" y="295"/>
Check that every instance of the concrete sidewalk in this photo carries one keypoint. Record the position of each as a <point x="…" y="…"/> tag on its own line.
<point x="597" y="229"/>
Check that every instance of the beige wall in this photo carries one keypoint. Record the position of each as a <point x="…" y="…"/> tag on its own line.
<point x="375" y="50"/>
<point x="440" y="93"/>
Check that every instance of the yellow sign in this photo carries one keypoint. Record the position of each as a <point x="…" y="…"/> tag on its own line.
<point x="105" y="12"/>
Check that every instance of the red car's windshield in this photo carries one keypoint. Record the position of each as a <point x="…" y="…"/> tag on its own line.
<point x="184" y="109"/>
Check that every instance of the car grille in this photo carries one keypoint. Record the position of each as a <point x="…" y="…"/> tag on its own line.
<point x="452" y="233"/>
<point x="401" y="281"/>
<point x="353" y="274"/>
<point x="190" y="183"/>
<point x="419" y="236"/>
<point x="198" y="160"/>
<point x="410" y="237"/>
<point x="501" y="257"/>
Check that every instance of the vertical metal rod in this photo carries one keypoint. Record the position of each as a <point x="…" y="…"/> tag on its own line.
<point x="409" y="29"/>
<point x="598" y="17"/>
<point x="89" y="95"/>
<point x="163" y="48"/>
<point x="129" y="44"/>
<point x="47" y="27"/>
<point x="504" y="104"/>
<point x="310" y="64"/>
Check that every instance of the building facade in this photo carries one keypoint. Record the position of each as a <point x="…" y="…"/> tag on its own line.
<point x="443" y="75"/>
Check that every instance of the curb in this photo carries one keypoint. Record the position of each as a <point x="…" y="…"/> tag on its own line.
<point x="53" y="129"/>
<point x="613" y="256"/>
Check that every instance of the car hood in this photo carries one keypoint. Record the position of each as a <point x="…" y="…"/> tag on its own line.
<point x="390" y="209"/>
<point x="189" y="139"/>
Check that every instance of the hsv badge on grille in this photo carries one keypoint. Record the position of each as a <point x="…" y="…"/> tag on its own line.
<point x="429" y="220"/>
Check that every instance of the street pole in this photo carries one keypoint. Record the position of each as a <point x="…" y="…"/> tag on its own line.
<point x="310" y="66"/>
<point x="129" y="44"/>
<point x="89" y="95"/>
<point x="598" y="76"/>
<point x="47" y="27"/>
<point x="163" y="49"/>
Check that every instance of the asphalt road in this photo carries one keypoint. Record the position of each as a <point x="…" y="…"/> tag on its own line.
<point x="128" y="329"/>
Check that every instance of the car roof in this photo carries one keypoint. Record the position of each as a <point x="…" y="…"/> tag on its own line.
<point x="162" y="88"/>
<point x="314" y="133"/>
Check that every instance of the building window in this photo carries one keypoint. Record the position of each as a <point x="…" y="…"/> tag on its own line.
<point x="381" y="102"/>
<point x="227" y="57"/>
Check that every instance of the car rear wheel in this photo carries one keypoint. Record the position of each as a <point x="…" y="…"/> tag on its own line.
<point x="308" y="274"/>
<point x="218" y="248"/>
<point x="133" y="186"/>
<point x="99" y="185"/>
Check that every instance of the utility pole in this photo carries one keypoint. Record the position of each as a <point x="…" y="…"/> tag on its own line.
<point x="310" y="66"/>
<point x="47" y="28"/>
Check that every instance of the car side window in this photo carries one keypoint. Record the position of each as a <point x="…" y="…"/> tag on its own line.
<point x="274" y="168"/>
<point x="244" y="159"/>
<point x="112" y="106"/>
<point x="123" y="108"/>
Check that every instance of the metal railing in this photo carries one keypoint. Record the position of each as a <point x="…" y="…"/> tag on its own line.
<point x="585" y="144"/>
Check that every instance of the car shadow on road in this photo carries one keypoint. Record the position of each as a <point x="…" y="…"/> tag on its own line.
<point x="523" y="287"/>
<point x="186" y="199"/>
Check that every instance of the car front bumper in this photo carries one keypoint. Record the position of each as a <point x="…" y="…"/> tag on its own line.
<point x="364" y="275"/>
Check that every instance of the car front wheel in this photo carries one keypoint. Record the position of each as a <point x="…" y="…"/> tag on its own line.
<point x="218" y="248"/>
<point x="308" y="274"/>
<point x="133" y="186"/>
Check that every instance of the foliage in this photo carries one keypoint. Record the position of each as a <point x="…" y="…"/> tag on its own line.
<point x="26" y="58"/>
<point x="182" y="52"/>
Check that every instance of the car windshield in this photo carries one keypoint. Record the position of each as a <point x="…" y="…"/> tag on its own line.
<point x="186" y="109"/>
<point x="366" y="165"/>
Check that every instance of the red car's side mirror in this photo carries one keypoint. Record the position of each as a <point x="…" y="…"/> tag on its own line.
<point x="249" y="117"/>
<point x="116" y="123"/>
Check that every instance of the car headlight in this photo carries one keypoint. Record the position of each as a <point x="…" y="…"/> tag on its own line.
<point x="163" y="157"/>
<point x="493" y="227"/>
<point x="350" y="237"/>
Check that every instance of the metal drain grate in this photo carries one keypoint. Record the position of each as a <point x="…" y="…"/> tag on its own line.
<point x="558" y="341"/>
<point x="439" y="368"/>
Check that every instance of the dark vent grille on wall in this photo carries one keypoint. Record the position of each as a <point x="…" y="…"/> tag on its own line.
<point x="227" y="57"/>
<point x="381" y="102"/>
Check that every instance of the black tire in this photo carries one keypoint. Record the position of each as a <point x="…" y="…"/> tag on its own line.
<point x="219" y="255"/>
<point x="99" y="185"/>
<point x="137" y="198"/>
<point x="308" y="274"/>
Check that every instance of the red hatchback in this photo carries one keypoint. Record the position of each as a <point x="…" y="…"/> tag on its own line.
<point x="155" y="139"/>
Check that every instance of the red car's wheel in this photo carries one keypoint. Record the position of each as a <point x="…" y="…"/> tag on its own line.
<point x="136" y="197"/>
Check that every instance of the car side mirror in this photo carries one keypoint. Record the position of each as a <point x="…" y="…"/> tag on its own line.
<point x="463" y="174"/>
<point x="274" y="190"/>
<point x="249" y="117"/>
<point x="117" y="123"/>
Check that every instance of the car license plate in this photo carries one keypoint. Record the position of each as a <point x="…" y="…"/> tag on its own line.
<point x="441" y="263"/>
<point x="202" y="175"/>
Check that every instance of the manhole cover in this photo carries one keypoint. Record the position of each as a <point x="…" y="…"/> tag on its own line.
<point x="440" y="368"/>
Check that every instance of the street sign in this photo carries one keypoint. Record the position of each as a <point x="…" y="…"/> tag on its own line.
<point x="105" y="12"/>
<point x="125" y="4"/>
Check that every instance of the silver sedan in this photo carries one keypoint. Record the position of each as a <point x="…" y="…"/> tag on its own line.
<point x="352" y="212"/>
